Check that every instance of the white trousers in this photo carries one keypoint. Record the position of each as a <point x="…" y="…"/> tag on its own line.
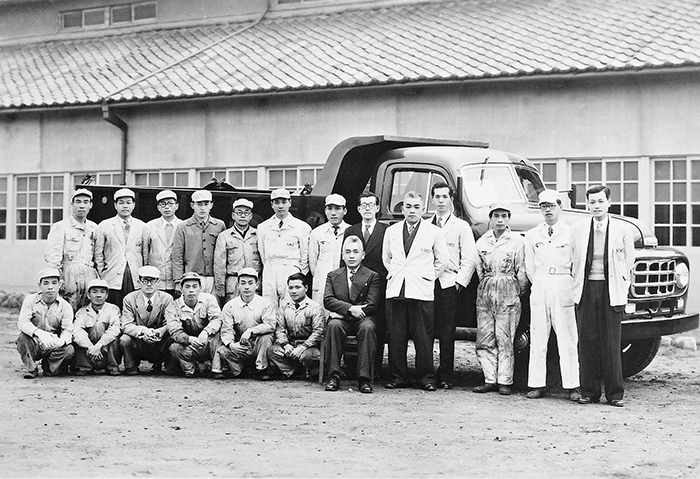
<point x="274" y="284"/>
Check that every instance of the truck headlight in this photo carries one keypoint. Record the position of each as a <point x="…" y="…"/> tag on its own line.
<point x="682" y="275"/>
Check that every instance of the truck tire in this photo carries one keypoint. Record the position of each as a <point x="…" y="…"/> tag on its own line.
<point x="637" y="354"/>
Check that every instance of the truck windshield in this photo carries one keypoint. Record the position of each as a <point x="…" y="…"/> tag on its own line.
<point x="488" y="184"/>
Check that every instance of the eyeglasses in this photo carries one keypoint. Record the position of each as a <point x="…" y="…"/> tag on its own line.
<point x="167" y="203"/>
<point x="202" y="203"/>
<point x="547" y="206"/>
<point x="148" y="280"/>
<point x="366" y="206"/>
<point x="242" y="212"/>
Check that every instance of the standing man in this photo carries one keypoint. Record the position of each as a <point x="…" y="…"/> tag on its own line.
<point x="604" y="250"/>
<point x="246" y="333"/>
<point x="194" y="321"/>
<point x="352" y="296"/>
<point x="456" y="277"/>
<point x="119" y="251"/>
<point x="549" y="258"/>
<point x="195" y="239"/>
<point x="415" y="255"/>
<point x="71" y="249"/>
<point x="46" y="328"/>
<point x="299" y="331"/>
<point x="158" y="240"/>
<point x="283" y="241"/>
<point x="325" y="244"/>
<point x="236" y="248"/>
<point x="95" y="332"/>
<point x="371" y="232"/>
<point x="145" y="332"/>
<point x="501" y="270"/>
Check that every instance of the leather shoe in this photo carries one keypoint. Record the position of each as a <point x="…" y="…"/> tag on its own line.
<point x="365" y="387"/>
<point x="504" y="390"/>
<point x="333" y="384"/>
<point x="574" y="394"/>
<point x="428" y="387"/>
<point x="445" y="385"/>
<point x="535" y="393"/>
<point x="131" y="371"/>
<point x="617" y="402"/>
<point x="31" y="374"/>
<point x="396" y="385"/>
<point x="217" y="376"/>
<point x="587" y="400"/>
<point x="486" y="388"/>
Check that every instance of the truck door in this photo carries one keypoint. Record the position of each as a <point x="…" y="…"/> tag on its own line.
<point x="402" y="178"/>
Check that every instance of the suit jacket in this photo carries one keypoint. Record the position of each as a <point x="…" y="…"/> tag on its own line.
<point x="158" y="251"/>
<point x="461" y="246"/>
<point x="426" y="260"/>
<point x="136" y="319"/>
<point x="373" y="247"/>
<point x="193" y="247"/>
<point x="366" y="288"/>
<point x="620" y="258"/>
<point x="112" y="255"/>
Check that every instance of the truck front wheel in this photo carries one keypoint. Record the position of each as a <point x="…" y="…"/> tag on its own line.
<point x="637" y="354"/>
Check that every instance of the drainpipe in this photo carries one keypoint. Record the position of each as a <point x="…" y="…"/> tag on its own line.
<point x="109" y="116"/>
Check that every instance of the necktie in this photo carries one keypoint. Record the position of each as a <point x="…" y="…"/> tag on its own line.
<point x="149" y="308"/>
<point x="169" y="232"/>
<point x="281" y="224"/>
<point x="296" y="305"/>
<point x="126" y="230"/>
<point x="410" y="229"/>
<point x="599" y="227"/>
<point x="335" y="230"/>
<point x="352" y="276"/>
<point x="366" y="233"/>
<point x="439" y="222"/>
<point x="550" y="231"/>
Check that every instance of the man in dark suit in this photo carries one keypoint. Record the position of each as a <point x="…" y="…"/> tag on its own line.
<point x="352" y="298"/>
<point x="371" y="232"/>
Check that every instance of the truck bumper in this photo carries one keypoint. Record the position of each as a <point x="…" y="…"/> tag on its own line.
<point x="659" y="326"/>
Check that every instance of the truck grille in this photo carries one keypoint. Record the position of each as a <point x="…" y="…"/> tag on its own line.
<point x="654" y="278"/>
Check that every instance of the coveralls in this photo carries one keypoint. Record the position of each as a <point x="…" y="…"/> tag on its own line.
<point x="325" y="247"/>
<point x="71" y="250"/>
<point x="233" y="252"/>
<point x="501" y="270"/>
<point x="93" y="328"/>
<point x="284" y="250"/>
<point x="298" y="324"/>
<point x="57" y="319"/>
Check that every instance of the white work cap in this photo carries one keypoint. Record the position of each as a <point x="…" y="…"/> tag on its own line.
<point x="498" y="206"/>
<point x="242" y="202"/>
<point x="335" y="199"/>
<point x="149" y="272"/>
<point x="124" y="193"/>
<point x="280" y="193"/>
<point x="549" y="196"/>
<point x="97" y="283"/>
<point x="165" y="194"/>
<point x="81" y="192"/>
<point x="248" y="272"/>
<point x="48" y="273"/>
<point x="201" y="195"/>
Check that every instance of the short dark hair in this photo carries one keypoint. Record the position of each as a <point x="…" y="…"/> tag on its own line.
<point x="597" y="189"/>
<point x="441" y="184"/>
<point x="369" y="194"/>
<point x="299" y="277"/>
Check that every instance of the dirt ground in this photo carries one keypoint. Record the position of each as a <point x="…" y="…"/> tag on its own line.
<point x="175" y="427"/>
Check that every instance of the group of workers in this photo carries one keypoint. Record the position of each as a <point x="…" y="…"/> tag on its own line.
<point x="130" y="290"/>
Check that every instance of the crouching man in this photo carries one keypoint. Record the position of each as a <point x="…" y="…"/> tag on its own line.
<point x="194" y="322"/>
<point x="143" y="322"/>
<point x="300" y="324"/>
<point x="95" y="332"/>
<point x="248" y="322"/>
<point x="46" y="328"/>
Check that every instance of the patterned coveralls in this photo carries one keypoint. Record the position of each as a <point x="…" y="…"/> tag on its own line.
<point x="100" y="329"/>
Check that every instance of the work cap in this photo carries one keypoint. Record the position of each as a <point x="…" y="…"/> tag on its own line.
<point x="124" y="193"/>
<point x="498" y="206"/>
<point x="549" y="196"/>
<point x="165" y="194"/>
<point x="248" y="272"/>
<point x="81" y="192"/>
<point x="189" y="276"/>
<point x="280" y="193"/>
<point x="48" y="273"/>
<point x="97" y="283"/>
<point x="149" y="272"/>
<point x="201" y="195"/>
<point x="335" y="199"/>
<point x="243" y="202"/>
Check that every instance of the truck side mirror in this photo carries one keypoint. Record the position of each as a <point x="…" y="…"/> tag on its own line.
<point x="569" y="199"/>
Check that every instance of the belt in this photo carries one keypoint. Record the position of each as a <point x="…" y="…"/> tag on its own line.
<point x="559" y="271"/>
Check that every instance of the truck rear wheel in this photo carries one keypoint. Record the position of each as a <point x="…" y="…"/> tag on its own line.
<point x="637" y="354"/>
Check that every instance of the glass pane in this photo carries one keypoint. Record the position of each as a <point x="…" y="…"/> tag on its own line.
<point x="121" y="14"/>
<point x="3" y="232"/>
<point x="612" y="171"/>
<point x="578" y="172"/>
<point x="21" y="199"/>
<point x="679" y="169"/>
<point x="140" y="179"/>
<point x="615" y="209"/>
<point x="72" y="20"/>
<point x="696" y="214"/>
<point x="679" y="214"/>
<point x="631" y="170"/>
<point x="3" y="216"/>
<point x="663" y="235"/>
<point x="57" y="215"/>
<point x="21" y="216"/>
<point x="662" y="214"/>
<point x="236" y="178"/>
<point x="153" y="179"/>
<point x="662" y="170"/>
<point x="58" y="182"/>
<point x="679" y="236"/>
<point x="167" y="179"/>
<point x="33" y="199"/>
<point x="57" y="199"/>
<point x="22" y="183"/>
<point x="94" y="17"/>
<point x="631" y="192"/>
<point x="679" y="192"/>
<point x="21" y="232"/>
<point x="581" y="196"/>
<point x="290" y="178"/>
<point x="549" y="172"/>
<point x="46" y="216"/>
<point x="696" y="236"/>
<point x="250" y="179"/>
<point x="662" y="192"/>
<point x="181" y="179"/>
<point x="3" y="200"/>
<point x="631" y="210"/>
<point x="276" y="178"/>
<point x="45" y="182"/>
<point x="595" y="172"/>
<point x="32" y="217"/>
<point x="31" y="232"/>
<point x="695" y="192"/>
<point x="144" y="11"/>
<point x="307" y="176"/>
<point x="3" y="183"/>
<point x="33" y="183"/>
<point x="204" y="177"/>
<point x="695" y="169"/>
<point x="615" y="192"/>
<point x="45" y="199"/>
<point x="45" y="231"/>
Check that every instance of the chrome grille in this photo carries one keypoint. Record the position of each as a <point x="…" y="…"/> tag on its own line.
<point x="654" y="278"/>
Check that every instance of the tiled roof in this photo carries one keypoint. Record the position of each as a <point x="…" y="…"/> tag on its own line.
<point x="436" y="41"/>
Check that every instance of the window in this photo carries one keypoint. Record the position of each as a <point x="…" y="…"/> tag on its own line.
<point x="404" y="181"/>
<point x="39" y="204"/>
<point x="548" y="172"/>
<point x="161" y="178"/>
<point x="490" y="184"/>
<point x="621" y="176"/>
<point x="677" y="201"/>
<point x="240" y="178"/>
<point x="106" y="16"/>
<point x="293" y="178"/>
<point x="101" y="178"/>
<point x="3" y="207"/>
